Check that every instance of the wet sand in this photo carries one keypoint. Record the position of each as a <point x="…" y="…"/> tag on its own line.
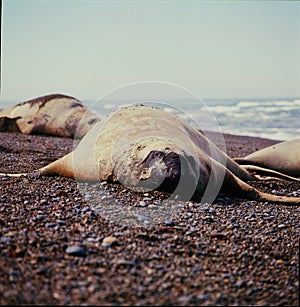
<point x="57" y="248"/>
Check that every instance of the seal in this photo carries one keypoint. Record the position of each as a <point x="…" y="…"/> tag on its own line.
<point x="146" y="148"/>
<point x="53" y="114"/>
<point x="283" y="157"/>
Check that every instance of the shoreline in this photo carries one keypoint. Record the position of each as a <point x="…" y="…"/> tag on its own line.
<point x="55" y="248"/>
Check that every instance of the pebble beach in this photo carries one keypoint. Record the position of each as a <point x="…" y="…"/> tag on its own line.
<point x="58" y="248"/>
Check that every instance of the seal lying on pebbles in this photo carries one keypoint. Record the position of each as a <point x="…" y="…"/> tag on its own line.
<point x="147" y="148"/>
<point x="283" y="157"/>
<point x="54" y="114"/>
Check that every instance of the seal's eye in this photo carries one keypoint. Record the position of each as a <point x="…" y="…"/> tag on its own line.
<point x="76" y="104"/>
<point x="92" y="121"/>
<point x="153" y="155"/>
<point x="157" y="154"/>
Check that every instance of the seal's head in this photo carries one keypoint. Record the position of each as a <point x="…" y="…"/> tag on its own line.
<point x="156" y="164"/>
<point x="85" y="124"/>
<point x="162" y="170"/>
<point x="85" y="121"/>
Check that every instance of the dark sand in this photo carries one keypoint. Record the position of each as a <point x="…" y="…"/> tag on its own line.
<point x="232" y="252"/>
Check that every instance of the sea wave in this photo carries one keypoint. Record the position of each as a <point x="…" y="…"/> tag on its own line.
<point x="275" y="119"/>
<point x="251" y="104"/>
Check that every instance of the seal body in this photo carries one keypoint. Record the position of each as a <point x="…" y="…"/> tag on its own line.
<point x="147" y="148"/>
<point x="283" y="157"/>
<point x="54" y="114"/>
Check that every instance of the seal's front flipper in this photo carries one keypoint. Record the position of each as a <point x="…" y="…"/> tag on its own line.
<point x="24" y="126"/>
<point x="273" y="175"/>
<point x="235" y="187"/>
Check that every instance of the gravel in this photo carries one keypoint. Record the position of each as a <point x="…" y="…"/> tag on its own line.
<point x="65" y="243"/>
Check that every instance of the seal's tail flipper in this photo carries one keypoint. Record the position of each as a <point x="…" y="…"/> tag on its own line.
<point x="62" y="166"/>
<point x="82" y="170"/>
<point x="71" y="166"/>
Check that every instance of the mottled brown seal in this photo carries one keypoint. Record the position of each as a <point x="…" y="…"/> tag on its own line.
<point x="54" y="114"/>
<point x="283" y="157"/>
<point x="148" y="148"/>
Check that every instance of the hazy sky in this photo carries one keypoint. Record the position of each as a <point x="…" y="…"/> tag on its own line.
<point x="85" y="48"/>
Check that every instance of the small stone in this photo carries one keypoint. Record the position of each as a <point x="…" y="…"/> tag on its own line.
<point x="142" y="217"/>
<point x="41" y="271"/>
<point x="14" y="273"/>
<point x="184" y="299"/>
<point x="87" y="208"/>
<point x="218" y="235"/>
<point x="203" y="297"/>
<point x="75" y="250"/>
<point x="124" y="262"/>
<point x="143" y="204"/>
<point x="294" y="193"/>
<point x="11" y="233"/>
<point x="109" y="241"/>
<point x="169" y="223"/>
<point x="277" y="193"/>
<point x="205" y="209"/>
<point x="226" y="276"/>
<point x="60" y="222"/>
<point x="44" y="202"/>
<point x="5" y="239"/>
<point x="281" y="226"/>
<point x="39" y="217"/>
<point x="50" y="225"/>
<point x="94" y="240"/>
<point x="269" y="218"/>
<point x="241" y="283"/>
<point x="88" y="196"/>
<point x="208" y="218"/>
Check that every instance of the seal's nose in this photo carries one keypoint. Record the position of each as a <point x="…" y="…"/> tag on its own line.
<point x="172" y="162"/>
<point x="171" y="174"/>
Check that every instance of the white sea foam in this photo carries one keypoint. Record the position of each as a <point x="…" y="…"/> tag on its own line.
<point x="251" y="104"/>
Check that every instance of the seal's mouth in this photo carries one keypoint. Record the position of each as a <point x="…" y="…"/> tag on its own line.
<point x="162" y="171"/>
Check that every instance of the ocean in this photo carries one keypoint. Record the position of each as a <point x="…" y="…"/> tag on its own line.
<point x="277" y="119"/>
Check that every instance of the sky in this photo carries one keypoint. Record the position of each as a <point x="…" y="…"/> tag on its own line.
<point x="86" y="48"/>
